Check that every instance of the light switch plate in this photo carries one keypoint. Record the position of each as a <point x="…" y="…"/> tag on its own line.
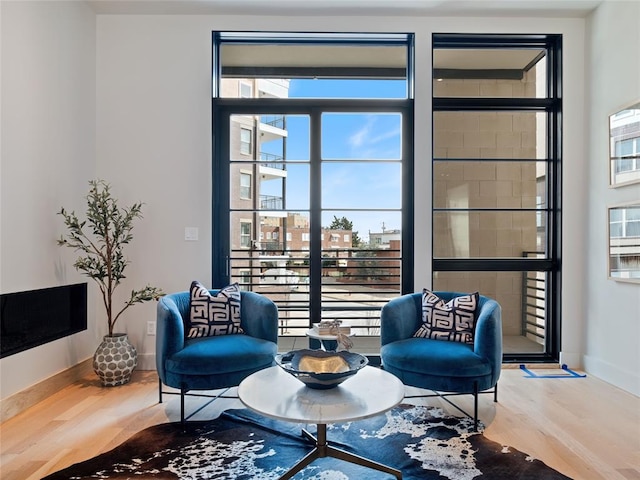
<point x="191" y="234"/>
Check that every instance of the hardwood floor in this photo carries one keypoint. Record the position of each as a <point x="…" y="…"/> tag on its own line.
<point x="582" y="427"/>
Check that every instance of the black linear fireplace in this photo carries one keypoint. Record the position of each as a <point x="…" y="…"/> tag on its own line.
<point x="35" y="317"/>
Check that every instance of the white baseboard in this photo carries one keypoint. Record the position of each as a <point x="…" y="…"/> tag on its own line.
<point x="628" y="380"/>
<point x="18" y="402"/>
<point x="146" y="361"/>
<point x="572" y="360"/>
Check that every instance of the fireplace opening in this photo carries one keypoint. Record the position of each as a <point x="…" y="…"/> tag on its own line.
<point x="36" y="317"/>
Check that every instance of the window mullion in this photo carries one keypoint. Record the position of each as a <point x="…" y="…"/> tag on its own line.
<point x="315" y="221"/>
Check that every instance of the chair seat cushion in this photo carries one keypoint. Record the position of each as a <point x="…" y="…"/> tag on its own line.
<point x="435" y="358"/>
<point x="221" y="354"/>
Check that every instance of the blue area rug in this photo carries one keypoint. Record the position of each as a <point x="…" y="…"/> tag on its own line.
<point x="422" y="442"/>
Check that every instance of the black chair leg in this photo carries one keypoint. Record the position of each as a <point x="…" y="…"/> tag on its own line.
<point x="159" y="391"/>
<point x="475" y="406"/>
<point x="182" y="420"/>
<point x="495" y="393"/>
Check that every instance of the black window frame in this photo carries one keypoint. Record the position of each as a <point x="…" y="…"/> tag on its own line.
<point x="223" y="108"/>
<point x="552" y="106"/>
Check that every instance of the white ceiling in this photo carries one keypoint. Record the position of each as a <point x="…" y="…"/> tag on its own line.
<point x="504" y="8"/>
<point x="546" y="8"/>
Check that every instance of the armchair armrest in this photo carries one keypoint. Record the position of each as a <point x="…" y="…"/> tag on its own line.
<point x="488" y="333"/>
<point x="169" y="329"/>
<point x="400" y="318"/>
<point x="259" y="316"/>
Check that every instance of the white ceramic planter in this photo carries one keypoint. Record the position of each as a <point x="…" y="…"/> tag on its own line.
<point x="115" y="359"/>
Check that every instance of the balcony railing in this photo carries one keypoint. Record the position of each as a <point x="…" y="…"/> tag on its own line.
<point x="273" y="120"/>
<point x="354" y="286"/>
<point x="270" y="202"/>
<point x="534" y="317"/>
<point x="271" y="160"/>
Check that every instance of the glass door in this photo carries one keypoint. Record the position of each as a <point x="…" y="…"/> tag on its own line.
<point x="315" y="204"/>
<point x="313" y="174"/>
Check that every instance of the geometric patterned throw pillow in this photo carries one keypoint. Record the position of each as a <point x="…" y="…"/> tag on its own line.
<point x="211" y="315"/>
<point x="453" y="321"/>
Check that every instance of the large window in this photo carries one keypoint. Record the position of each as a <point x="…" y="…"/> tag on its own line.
<point x="496" y="180"/>
<point x="330" y="166"/>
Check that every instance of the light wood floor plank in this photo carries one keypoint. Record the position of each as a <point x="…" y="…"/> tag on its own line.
<point x="582" y="427"/>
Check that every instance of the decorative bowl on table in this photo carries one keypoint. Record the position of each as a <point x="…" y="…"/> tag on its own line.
<point x="319" y="369"/>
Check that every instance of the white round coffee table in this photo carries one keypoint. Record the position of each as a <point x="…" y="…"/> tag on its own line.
<point x="274" y="393"/>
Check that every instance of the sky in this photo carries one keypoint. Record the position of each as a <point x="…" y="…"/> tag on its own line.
<point x="360" y="152"/>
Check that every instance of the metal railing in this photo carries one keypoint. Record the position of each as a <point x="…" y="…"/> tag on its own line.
<point x="354" y="286"/>
<point x="272" y="160"/>
<point x="534" y="315"/>
<point x="273" y="120"/>
<point x="270" y="202"/>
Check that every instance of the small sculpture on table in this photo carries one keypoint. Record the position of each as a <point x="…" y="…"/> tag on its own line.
<point x="334" y="328"/>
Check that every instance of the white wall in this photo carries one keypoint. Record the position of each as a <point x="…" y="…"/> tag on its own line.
<point x="612" y="350"/>
<point x="47" y="157"/>
<point x="153" y="143"/>
<point x="154" y="126"/>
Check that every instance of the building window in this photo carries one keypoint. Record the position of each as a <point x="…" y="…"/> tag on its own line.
<point x="245" y="234"/>
<point x="624" y="222"/>
<point x="624" y="242"/>
<point x="628" y="152"/>
<point x="245" y="141"/>
<point x="245" y="186"/>
<point x="624" y="141"/>
<point x="245" y="279"/>
<point x="246" y="90"/>
<point x="305" y="237"/>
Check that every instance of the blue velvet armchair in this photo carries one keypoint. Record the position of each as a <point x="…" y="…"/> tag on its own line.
<point x="212" y="363"/>
<point x="438" y="365"/>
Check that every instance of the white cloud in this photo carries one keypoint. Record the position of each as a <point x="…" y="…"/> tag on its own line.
<point x="359" y="138"/>
<point x="369" y="135"/>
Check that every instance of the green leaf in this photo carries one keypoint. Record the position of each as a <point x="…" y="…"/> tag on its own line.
<point x="100" y="239"/>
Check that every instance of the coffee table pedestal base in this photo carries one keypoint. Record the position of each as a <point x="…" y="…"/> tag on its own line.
<point x="322" y="449"/>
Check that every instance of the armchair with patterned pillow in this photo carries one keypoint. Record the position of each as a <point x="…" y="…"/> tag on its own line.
<point x="213" y="339"/>
<point x="447" y="342"/>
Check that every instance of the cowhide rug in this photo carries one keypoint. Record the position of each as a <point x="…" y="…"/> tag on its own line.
<point x="422" y="442"/>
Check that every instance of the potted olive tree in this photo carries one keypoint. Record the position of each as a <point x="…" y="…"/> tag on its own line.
<point x="101" y="239"/>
